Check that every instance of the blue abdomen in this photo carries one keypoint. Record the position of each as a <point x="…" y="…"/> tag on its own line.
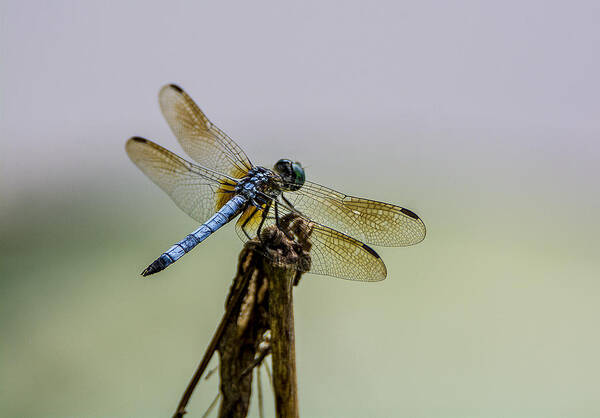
<point x="229" y="210"/>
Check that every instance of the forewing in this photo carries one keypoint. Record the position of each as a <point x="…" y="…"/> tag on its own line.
<point x="197" y="191"/>
<point x="371" y="221"/>
<point x="202" y="140"/>
<point x="333" y="253"/>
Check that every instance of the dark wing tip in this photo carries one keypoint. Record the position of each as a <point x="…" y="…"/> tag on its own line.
<point x="138" y="139"/>
<point x="176" y="87"/>
<point x="414" y="216"/>
<point x="381" y="275"/>
<point x="371" y="251"/>
<point x="409" y="213"/>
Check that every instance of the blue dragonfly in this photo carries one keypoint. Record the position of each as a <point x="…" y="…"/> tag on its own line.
<point x="225" y="184"/>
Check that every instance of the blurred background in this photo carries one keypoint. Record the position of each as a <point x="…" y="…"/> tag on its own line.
<point x="481" y="117"/>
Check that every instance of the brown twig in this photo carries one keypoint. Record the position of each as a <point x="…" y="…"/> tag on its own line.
<point x="281" y="315"/>
<point x="260" y="299"/>
<point x="257" y="361"/>
<point x="241" y="339"/>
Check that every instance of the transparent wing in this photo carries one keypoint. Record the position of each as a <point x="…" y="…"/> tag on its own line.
<point x="197" y="191"/>
<point x="371" y="221"/>
<point x="202" y="140"/>
<point x="332" y="253"/>
<point x="337" y="254"/>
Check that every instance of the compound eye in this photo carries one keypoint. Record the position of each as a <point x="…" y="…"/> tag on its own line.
<point x="282" y="166"/>
<point x="292" y="174"/>
<point x="299" y="175"/>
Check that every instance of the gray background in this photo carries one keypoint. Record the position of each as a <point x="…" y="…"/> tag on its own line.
<point x="481" y="117"/>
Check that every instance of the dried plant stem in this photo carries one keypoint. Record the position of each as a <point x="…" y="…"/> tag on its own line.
<point x="283" y="351"/>
<point x="260" y="300"/>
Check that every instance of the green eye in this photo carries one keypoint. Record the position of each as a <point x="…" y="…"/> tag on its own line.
<point x="291" y="173"/>
<point x="299" y="173"/>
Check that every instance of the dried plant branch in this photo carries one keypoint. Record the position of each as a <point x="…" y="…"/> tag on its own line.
<point x="260" y="300"/>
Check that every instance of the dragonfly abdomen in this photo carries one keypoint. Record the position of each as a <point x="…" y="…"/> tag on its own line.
<point x="220" y="218"/>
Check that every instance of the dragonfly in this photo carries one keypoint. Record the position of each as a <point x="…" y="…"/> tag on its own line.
<point x="225" y="184"/>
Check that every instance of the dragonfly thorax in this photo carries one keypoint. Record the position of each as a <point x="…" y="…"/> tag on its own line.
<point x="259" y="185"/>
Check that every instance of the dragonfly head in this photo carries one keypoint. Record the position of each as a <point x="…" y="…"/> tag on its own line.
<point x="292" y="174"/>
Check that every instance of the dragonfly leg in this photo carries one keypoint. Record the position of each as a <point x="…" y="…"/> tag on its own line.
<point x="277" y="214"/>
<point x="287" y="202"/>
<point x="262" y="221"/>
<point x="285" y="229"/>
<point x="246" y="223"/>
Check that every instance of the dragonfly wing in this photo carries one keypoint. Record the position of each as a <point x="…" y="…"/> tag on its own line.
<point x="336" y="254"/>
<point x="197" y="191"/>
<point x="333" y="253"/>
<point x="371" y="221"/>
<point x="202" y="140"/>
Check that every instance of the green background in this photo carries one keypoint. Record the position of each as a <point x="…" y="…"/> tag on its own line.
<point x="482" y="119"/>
